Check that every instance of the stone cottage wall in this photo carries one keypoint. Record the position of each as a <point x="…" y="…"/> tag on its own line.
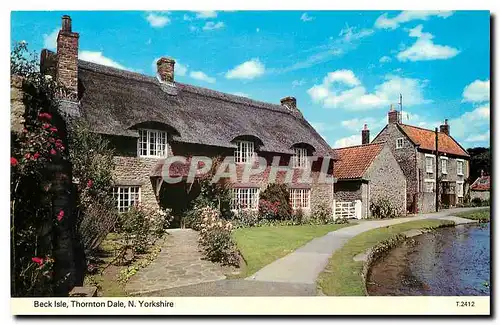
<point x="387" y="181"/>
<point x="348" y="190"/>
<point x="406" y="157"/>
<point x="483" y="195"/>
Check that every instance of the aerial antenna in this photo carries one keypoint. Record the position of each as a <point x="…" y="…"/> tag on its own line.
<point x="401" y="106"/>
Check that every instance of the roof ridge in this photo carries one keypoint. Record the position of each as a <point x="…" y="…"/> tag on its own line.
<point x="116" y="72"/>
<point x="360" y="145"/>
<point x="421" y="128"/>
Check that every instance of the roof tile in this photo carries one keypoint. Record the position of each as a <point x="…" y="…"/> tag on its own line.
<point x="354" y="161"/>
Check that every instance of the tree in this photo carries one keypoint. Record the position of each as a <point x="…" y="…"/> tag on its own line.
<point x="480" y="159"/>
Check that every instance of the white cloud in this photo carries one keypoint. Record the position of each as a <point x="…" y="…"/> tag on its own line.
<point x="257" y="29"/>
<point x="158" y="19"/>
<point x="352" y="140"/>
<point x="186" y="17"/>
<point x="477" y="91"/>
<point x="50" y="40"/>
<point x="97" y="57"/>
<point x="356" y="124"/>
<point x="241" y="94"/>
<point x="206" y="14"/>
<point x="180" y="69"/>
<point x="479" y="137"/>
<point x="350" y="33"/>
<point x="471" y="124"/>
<point x="342" y="89"/>
<point x="305" y="17"/>
<point x="385" y="22"/>
<point x="385" y="59"/>
<point x="247" y="70"/>
<point x="193" y="28"/>
<point x="199" y="75"/>
<point x="210" y="25"/>
<point x="298" y="83"/>
<point x="424" y="48"/>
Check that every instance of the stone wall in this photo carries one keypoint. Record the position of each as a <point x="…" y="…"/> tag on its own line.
<point x="406" y="157"/>
<point x="348" y="191"/>
<point x="387" y="181"/>
<point x="483" y="195"/>
<point x="16" y="104"/>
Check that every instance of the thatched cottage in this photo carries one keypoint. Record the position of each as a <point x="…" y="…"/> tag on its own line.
<point x="149" y="118"/>
<point x="415" y="150"/>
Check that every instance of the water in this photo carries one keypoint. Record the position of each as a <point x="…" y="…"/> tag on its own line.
<point x="452" y="261"/>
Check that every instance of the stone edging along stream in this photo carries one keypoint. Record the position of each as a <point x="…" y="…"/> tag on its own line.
<point x="383" y="247"/>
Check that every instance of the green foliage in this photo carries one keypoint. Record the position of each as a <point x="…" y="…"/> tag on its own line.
<point x="246" y="218"/>
<point x="480" y="159"/>
<point x="279" y="193"/>
<point x="216" y="238"/>
<point x="322" y="214"/>
<point x="382" y="209"/>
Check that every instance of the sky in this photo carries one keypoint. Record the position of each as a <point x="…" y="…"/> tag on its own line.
<point x="346" y="68"/>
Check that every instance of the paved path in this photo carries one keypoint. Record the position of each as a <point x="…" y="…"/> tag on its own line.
<point x="306" y="263"/>
<point x="179" y="264"/>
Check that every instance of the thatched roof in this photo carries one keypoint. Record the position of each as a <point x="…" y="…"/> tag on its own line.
<point x="114" y="101"/>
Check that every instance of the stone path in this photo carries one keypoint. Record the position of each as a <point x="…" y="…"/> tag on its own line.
<point x="179" y="264"/>
<point x="180" y="271"/>
<point x="306" y="263"/>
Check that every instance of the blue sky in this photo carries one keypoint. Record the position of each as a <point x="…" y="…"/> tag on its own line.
<point x="344" y="67"/>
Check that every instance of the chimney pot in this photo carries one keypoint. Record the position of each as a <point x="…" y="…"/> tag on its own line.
<point x="66" y="24"/>
<point x="165" y="68"/>
<point x="365" y="135"/>
<point x="289" y="102"/>
<point x="445" y="128"/>
<point x="393" y="116"/>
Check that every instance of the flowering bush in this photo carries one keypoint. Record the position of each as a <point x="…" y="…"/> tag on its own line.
<point x="268" y="210"/>
<point x="278" y="202"/>
<point x="246" y="218"/>
<point x="215" y="238"/>
<point x="321" y="214"/>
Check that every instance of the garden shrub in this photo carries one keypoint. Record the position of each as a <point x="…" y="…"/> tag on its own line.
<point x="322" y="214"/>
<point x="278" y="196"/>
<point x="476" y="202"/>
<point x="246" y="218"/>
<point x="382" y="209"/>
<point x="298" y="216"/>
<point x="216" y="238"/>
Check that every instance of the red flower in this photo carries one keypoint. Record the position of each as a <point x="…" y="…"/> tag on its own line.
<point x="37" y="260"/>
<point x="25" y="130"/>
<point x="51" y="140"/>
<point x="27" y="156"/>
<point x="53" y="152"/>
<point x="60" y="215"/>
<point x="89" y="183"/>
<point x="44" y="116"/>
<point x="53" y="129"/>
<point x="36" y="155"/>
<point x="13" y="161"/>
<point x="46" y="125"/>
<point x="58" y="144"/>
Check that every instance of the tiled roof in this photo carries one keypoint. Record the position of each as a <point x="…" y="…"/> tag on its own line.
<point x="426" y="139"/>
<point x="482" y="183"/>
<point x="354" y="161"/>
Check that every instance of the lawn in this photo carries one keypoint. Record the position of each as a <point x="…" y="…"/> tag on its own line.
<point x="262" y="245"/>
<point x="483" y="215"/>
<point x="342" y="276"/>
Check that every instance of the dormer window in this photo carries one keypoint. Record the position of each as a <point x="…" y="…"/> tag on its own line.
<point x="300" y="158"/>
<point x="152" y="143"/>
<point x="245" y="152"/>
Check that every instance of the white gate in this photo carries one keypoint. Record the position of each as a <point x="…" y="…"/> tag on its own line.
<point x="347" y="209"/>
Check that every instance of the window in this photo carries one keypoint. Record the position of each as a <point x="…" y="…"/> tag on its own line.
<point x="245" y="152"/>
<point x="245" y="198"/>
<point x="428" y="186"/>
<point x="444" y="165"/>
<point x="300" y="198"/>
<point x="399" y="143"/>
<point x="126" y="197"/>
<point x="429" y="163"/>
<point x="460" y="189"/>
<point x="460" y="167"/>
<point x="152" y="143"/>
<point x="300" y="158"/>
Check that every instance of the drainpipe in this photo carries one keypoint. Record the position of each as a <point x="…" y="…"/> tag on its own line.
<point x="437" y="168"/>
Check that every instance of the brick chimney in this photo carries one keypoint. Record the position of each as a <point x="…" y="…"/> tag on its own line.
<point x="365" y="135"/>
<point x="165" y="69"/>
<point x="289" y="102"/>
<point x="393" y="116"/>
<point x="445" y="128"/>
<point x="67" y="59"/>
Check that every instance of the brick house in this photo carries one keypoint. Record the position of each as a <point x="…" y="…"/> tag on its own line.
<point x="369" y="173"/>
<point x="149" y="118"/>
<point x="415" y="150"/>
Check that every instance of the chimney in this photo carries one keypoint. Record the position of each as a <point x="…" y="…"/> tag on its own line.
<point x="165" y="69"/>
<point x="445" y="128"/>
<point x="393" y="116"/>
<point x="365" y="135"/>
<point x="67" y="59"/>
<point x="289" y="102"/>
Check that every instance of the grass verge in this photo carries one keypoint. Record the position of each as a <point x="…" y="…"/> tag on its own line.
<point x="482" y="215"/>
<point x="343" y="275"/>
<point x="262" y="245"/>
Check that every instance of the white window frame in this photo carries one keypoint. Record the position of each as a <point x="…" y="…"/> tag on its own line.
<point x="300" y="158"/>
<point x="300" y="198"/>
<point x="460" y="184"/>
<point x="433" y="158"/>
<point x="124" y="197"/>
<point x="144" y="144"/>
<point x="399" y="146"/>
<point x="461" y="163"/>
<point x="429" y="181"/>
<point x="249" y="194"/>
<point x="444" y="165"/>
<point x="245" y="152"/>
